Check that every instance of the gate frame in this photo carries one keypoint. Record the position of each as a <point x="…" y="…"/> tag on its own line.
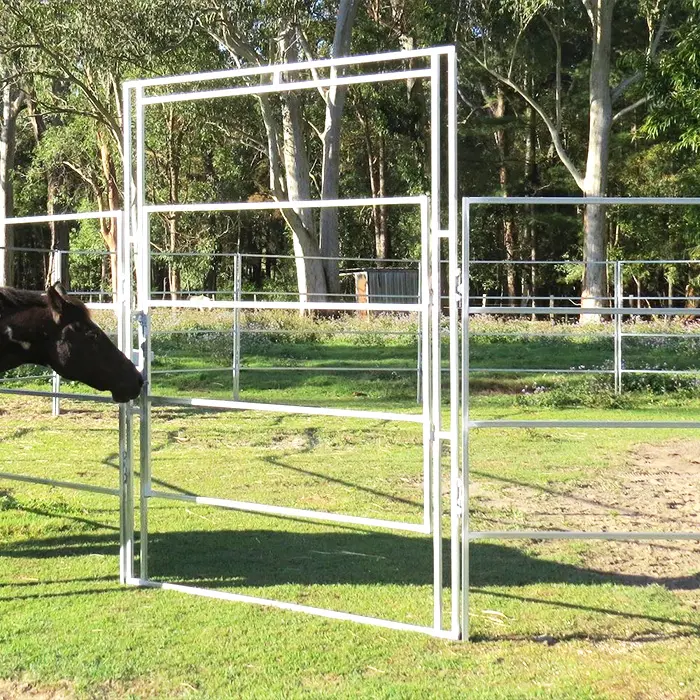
<point x="137" y="242"/>
<point x="617" y="312"/>
<point x="121" y="305"/>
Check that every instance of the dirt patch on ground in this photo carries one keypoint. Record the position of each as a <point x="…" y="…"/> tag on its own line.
<point x="14" y="690"/>
<point x="110" y="690"/>
<point x="657" y="489"/>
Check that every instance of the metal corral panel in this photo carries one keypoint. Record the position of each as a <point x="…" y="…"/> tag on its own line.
<point x="392" y="286"/>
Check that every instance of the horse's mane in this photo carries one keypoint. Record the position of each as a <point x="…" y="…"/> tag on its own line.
<point x="20" y="298"/>
<point x="12" y="299"/>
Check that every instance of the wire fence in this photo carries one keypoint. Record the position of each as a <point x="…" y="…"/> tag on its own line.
<point x="543" y="316"/>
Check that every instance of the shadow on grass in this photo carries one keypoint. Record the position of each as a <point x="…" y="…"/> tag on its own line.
<point x="260" y="558"/>
<point x="271" y="558"/>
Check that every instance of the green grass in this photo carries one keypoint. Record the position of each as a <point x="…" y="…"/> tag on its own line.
<point x="547" y="620"/>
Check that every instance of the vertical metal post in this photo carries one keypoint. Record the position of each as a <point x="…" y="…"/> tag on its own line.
<point x="125" y="341"/>
<point x="436" y="393"/>
<point x="425" y="351"/>
<point x="466" y="252"/>
<point x="143" y="286"/>
<point x="237" y="285"/>
<point x="419" y="333"/>
<point x="617" y="325"/>
<point x="454" y="279"/>
<point x="56" y="276"/>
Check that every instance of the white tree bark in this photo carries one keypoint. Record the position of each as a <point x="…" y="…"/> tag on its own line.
<point x="310" y="273"/>
<point x="287" y="152"/>
<point x="11" y="104"/>
<point x="594" y="286"/>
<point x="335" y="105"/>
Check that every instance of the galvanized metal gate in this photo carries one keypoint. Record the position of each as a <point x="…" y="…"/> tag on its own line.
<point x="439" y="257"/>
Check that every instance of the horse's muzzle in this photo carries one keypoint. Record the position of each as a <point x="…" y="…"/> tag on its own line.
<point x="129" y="392"/>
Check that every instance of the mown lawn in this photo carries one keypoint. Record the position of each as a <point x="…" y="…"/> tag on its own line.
<point x="549" y="619"/>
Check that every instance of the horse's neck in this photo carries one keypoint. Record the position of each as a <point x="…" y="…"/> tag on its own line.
<point x="23" y="337"/>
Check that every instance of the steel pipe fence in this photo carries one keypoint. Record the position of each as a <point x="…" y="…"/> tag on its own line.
<point x="616" y="311"/>
<point x="438" y="225"/>
<point x="621" y="306"/>
<point x="122" y="309"/>
<point x="438" y="222"/>
<point x="190" y="298"/>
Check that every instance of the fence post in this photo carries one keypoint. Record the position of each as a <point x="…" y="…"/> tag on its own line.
<point x="618" y="301"/>
<point x="551" y="306"/>
<point x="419" y="359"/>
<point x="237" y="284"/>
<point x="56" y="268"/>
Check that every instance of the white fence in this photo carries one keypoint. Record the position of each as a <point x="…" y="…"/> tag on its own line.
<point x="437" y="68"/>
<point x="438" y="216"/>
<point x="616" y="312"/>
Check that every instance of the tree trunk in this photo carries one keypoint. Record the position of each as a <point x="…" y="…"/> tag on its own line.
<point x="329" y="243"/>
<point x="509" y="235"/>
<point x="595" y="181"/>
<point x="60" y="231"/>
<point x="376" y="168"/>
<point x="108" y="227"/>
<point x="529" y="282"/>
<point x="173" y="165"/>
<point x="174" y="277"/>
<point x="310" y="270"/>
<point x="11" y="103"/>
<point x="383" y="243"/>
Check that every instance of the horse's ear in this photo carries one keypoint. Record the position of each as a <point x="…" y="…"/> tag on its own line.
<point x="58" y="300"/>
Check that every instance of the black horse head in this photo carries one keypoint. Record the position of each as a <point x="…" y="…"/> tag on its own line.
<point x="54" y="330"/>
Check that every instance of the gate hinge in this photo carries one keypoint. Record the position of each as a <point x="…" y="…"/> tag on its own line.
<point x="460" y="498"/>
<point x="459" y="287"/>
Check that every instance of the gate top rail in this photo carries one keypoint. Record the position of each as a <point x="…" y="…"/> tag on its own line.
<point x="252" y="71"/>
<point x="415" y="200"/>
<point x="583" y="200"/>
<point x="50" y="218"/>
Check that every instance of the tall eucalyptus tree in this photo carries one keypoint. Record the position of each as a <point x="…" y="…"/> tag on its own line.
<point x="614" y="71"/>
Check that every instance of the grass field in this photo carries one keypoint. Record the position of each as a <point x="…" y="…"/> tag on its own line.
<point x="549" y="619"/>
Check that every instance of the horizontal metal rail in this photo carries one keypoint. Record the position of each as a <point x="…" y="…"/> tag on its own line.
<point x="116" y="214"/>
<point x="269" y="331"/>
<point x="209" y="207"/>
<point x="284" y="511"/>
<point x="573" y="535"/>
<point x="273" y="88"/>
<point x="575" y="333"/>
<point x="321" y="63"/>
<point x="231" y="405"/>
<point x="276" y="256"/>
<point x="634" y="424"/>
<point x="295" y="607"/>
<point x="58" y="395"/>
<point x="506" y="370"/>
<point x="17" y="249"/>
<point x="597" y="311"/>
<point x="660" y="371"/>
<point x="283" y="368"/>
<point x="25" y="379"/>
<point x="642" y="201"/>
<point x="60" y="484"/>
<point x="298" y="305"/>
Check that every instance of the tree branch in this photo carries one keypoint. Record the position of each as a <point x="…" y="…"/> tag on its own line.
<point x="551" y="127"/>
<point x="304" y="43"/>
<point x="630" y="108"/>
<point x="652" y="52"/>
